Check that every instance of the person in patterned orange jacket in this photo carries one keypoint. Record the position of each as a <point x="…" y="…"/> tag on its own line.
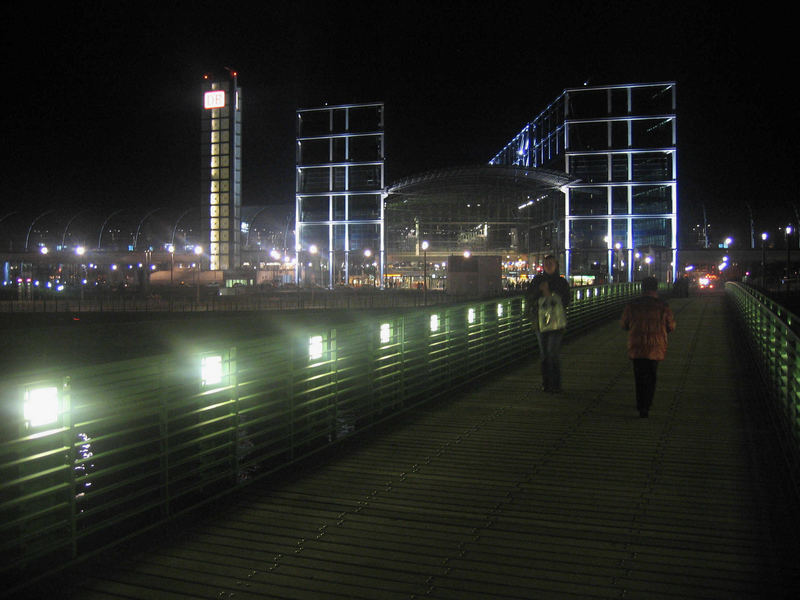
<point x="648" y="321"/>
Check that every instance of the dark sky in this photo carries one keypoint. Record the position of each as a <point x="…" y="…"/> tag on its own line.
<point x="103" y="106"/>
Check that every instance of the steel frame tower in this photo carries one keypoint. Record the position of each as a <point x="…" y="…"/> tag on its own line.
<point x="339" y="195"/>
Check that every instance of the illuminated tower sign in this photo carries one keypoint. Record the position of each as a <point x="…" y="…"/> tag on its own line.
<point x="222" y="172"/>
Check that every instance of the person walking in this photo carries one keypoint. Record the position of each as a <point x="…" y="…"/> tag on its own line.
<point x="648" y="321"/>
<point x="548" y="296"/>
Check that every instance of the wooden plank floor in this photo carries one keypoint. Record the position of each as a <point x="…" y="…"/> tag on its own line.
<point x="506" y="492"/>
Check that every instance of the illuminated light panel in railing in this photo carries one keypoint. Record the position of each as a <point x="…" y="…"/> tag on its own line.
<point x="499" y="310"/>
<point x="315" y="347"/>
<point x="434" y="323"/>
<point x="386" y="333"/>
<point x="40" y="406"/>
<point x="471" y="316"/>
<point x="211" y="370"/>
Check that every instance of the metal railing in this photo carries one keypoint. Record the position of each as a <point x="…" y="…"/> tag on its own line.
<point x="775" y="346"/>
<point x="94" y="455"/>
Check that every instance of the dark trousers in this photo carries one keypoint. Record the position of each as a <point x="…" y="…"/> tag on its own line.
<point x="644" y="373"/>
<point x="550" y="350"/>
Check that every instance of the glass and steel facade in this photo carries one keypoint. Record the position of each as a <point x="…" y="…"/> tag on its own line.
<point x="222" y="168"/>
<point x="339" y="195"/>
<point x="485" y="210"/>
<point x="617" y="144"/>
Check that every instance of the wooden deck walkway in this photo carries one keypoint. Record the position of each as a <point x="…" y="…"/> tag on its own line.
<point x="506" y="492"/>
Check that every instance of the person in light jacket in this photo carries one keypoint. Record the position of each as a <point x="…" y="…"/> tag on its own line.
<point x="648" y="321"/>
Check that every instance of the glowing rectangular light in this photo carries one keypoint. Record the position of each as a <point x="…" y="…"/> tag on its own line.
<point x="386" y="333"/>
<point x="211" y="370"/>
<point x="214" y="99"/>
<point x="471" y="316"/>
<point x="499" y="310"/>
<point x="40" y="406"/>
<point x="315" y="347"/>
<point x="434" y="322"/>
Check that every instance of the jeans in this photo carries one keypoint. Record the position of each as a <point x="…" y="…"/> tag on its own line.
<point x="644" y="373"/>
<point x="550" y="350"/>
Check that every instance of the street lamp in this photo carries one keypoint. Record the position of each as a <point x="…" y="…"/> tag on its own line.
<point x="367" y="255"/>
<point x="313" y="251"/>
<point x="788" y="232"/>
<point x="171" y="250"/>
<point x="764" y="237"/>
<point x="198" y="250"/>
<point x="425" y="273"/>
<point x="648" y="260"/>
<point x="80" y="251"/>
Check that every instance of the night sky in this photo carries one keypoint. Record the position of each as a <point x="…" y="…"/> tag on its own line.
<point x="103" y="104"/>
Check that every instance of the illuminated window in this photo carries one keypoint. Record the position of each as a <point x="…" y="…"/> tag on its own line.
<point x="315" y="347"/>
<point x="434" y="323"/>
<point x="211" y="370"/>
<point x="471" y="316"/>
<point x="386" y="333"/>
<point x="40" y="406"/>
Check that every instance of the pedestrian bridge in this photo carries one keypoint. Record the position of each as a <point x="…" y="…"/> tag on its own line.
<point x="424" y="463"/>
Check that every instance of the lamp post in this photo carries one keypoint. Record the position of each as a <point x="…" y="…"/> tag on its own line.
<point x="312" y="249"/>
<point x="367" y="256"/>
<point x="171" y="250"/>
<point x="788" y="232"/>
<point x="425" y="273"/>
<point x="764" y="237"/>
<point x="649" y="261"/>
<point x="198" y="250"/>
<point x="80" y="251"/>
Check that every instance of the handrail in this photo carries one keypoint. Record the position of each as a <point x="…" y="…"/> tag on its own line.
<point x="93" y="455"/>
<point x="775" y="347"/>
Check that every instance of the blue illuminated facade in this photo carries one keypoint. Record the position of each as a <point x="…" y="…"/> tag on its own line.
<point x="619" y="217"/>
<point x="339" y="195"/>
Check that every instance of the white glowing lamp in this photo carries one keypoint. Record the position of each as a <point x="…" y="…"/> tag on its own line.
<point x="40" y="406"/>
<point x="211" y="370"/>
